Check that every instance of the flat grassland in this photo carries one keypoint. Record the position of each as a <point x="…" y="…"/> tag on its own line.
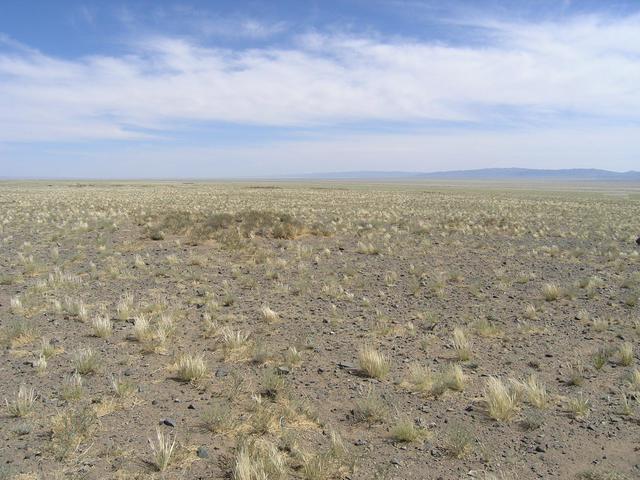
<point x="317" y="330"/>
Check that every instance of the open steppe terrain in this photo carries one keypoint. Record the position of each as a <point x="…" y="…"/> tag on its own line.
<point x="317" y="331"/>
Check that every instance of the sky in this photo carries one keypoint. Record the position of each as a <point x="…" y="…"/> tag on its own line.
<point x="214" y="89"/>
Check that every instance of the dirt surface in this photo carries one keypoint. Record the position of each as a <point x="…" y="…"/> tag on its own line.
<point x="540" y="283"/>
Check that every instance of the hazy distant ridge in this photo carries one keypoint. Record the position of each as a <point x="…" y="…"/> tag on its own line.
<point x="585" y="174"/>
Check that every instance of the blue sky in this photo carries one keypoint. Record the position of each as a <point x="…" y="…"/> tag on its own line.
<point x="162" y="89"/>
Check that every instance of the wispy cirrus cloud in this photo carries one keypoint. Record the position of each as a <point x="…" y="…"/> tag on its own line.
<point x="545" y="73"/>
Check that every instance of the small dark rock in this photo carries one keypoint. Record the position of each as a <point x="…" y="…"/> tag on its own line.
<point x="169" y="422"/>
<point x="360" y="442"/>
<point x="202" y="452"/>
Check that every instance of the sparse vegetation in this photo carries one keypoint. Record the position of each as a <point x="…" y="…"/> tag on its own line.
<point x="22" y="405"/>
<point x="501" y="400"/>
<point x="373" y="363"/>
<point x="162" y="449"/>
<point x="259" y="323"/>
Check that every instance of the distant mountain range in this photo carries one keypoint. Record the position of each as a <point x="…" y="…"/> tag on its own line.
<point x="571" y="174"/>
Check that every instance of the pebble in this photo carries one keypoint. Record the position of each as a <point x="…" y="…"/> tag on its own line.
<point x="346" y="365"/>
<point x="202" y="452"/>
<point x="169" y="422"/>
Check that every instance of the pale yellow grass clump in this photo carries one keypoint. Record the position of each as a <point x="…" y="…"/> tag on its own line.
<point x="406" y="431"/>
<point x="162" y="450"/>
<point x="551" y="292"/>
<point x="191" y="367"/>
<point x="501" y="401"/>
<point x="102" y="327"/>
<point x="22" y="405"/>
<point x="142" y="329"/>
<point x="626" y="354"/>
<point x="373" y="363"/>
<point x="461" y="344"/>
<point x="536" y="392"/>
<point x="269" y="315"/>
<point x="259" y="459"/>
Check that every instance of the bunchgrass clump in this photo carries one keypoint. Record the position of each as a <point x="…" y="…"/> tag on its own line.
<point x="124" y="308"/>
<point x="72" y="387"/>
<point x="371" y="408"/>
<point x="40" y="364"/>
<point x="373" y="363"/>
<point x="406" y="431"/>
<point x="575" y="375"/>
<point x="500" y="399"/>
<point x="162" y="450"/>
<point x="142" y="329"/>
<point x="121" y="387"/>
<point x="217" y="417"/>
<point x="102" y="327"/>
<point x="22" y="405"/>
<point x="70" y="428"/>
<point x="461" y="345"/>
<point x="258" y="459"/>
<point x="85" y="361"/>
<point x="269" y="315"/>
<point x="459" y="441"/>
<point x="634" y="380"/>
<point x="191" y="368"/>
<point x="420" y="379"/>
<point x="579" y="406"/>
<point x="292" y="357"/>
<point x="626" y="354"/>
<point x="551" y="292"/>
<point x="601" y="357"/>
<point x="536" y="392"/>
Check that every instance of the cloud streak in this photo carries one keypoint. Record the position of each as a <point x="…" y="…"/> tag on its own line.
<point x="584" y="69"/>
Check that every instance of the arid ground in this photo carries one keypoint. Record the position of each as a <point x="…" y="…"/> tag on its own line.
<point x="258" y="331"/>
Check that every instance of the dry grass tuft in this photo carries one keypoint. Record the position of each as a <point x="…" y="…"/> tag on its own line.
<point x="501" y="401"/>
<point x="22" y="405"/>
<point x="373" y="363"/>
<point x="191" y="368"/>
<point x="162" y="450"/>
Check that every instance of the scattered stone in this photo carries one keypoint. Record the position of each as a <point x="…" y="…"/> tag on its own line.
<point x="283" y="370"/>
<point x="395" y="461"/>
<point x="222" y="372"/>
<point x="346" y="365"/>
<point x="360" y="442"/>
<point x="202" y="452"/>
<point x="169" y="422"/>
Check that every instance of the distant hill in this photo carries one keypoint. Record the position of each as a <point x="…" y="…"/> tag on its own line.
<point x="571" y="174"/>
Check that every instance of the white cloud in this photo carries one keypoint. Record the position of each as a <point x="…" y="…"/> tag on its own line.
<point x="588" y="67"/>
